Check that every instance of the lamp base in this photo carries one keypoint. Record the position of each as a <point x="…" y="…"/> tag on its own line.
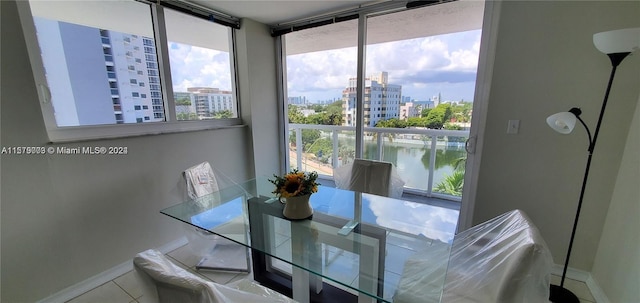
<point x="562" y="295"/>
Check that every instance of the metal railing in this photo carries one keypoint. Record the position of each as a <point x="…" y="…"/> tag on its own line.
<point x="412" y="139"/>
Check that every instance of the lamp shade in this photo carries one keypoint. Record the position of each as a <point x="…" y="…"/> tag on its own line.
<point x="618" y="41"/>
<point x="562" y="122"/>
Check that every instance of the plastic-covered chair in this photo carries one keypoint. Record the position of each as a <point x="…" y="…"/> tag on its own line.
<point x="369" y="176"/>
<point x="502" y="260"/>
<point x="217" y="253"/>
<point x="165" y="282"/>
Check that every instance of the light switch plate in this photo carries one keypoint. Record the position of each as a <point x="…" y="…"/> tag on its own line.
<point x="513" y="127"/>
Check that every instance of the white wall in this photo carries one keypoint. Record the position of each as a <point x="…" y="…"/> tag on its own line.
<point x="258" y="90"/>
<point x="67" y="218"/>
<point x="617" y="264"/>
<point x="545" y="62"/>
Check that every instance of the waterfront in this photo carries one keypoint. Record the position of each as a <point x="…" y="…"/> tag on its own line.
<point x="411" y="158"/>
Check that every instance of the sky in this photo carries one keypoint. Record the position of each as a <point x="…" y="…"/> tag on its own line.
<point x="425" y="67"/>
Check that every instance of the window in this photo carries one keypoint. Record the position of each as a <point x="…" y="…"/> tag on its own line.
<point x="209" y="70"/>
<point x="315" y="107"/>
<point x="104" y="39"/>
<point x="410" y="65"/>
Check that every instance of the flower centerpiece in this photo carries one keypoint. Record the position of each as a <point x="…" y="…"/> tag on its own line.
<point x="295" y="183"/>
<point x="296" y="188"/>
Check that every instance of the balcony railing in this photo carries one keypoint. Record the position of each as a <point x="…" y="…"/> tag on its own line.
<point x="426" y="159"/>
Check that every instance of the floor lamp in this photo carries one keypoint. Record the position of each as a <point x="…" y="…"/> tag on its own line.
<point x="617" y="44"/>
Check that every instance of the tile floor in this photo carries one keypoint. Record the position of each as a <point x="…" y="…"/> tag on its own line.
<point x="127" y="288"/>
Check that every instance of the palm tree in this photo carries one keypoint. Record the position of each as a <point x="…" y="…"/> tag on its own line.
<point x="452" y="184"/>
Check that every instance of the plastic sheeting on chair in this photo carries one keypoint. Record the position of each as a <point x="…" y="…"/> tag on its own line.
<point x="216" y="252"/>
<point x="502" y="260"/>
<point x="165" y="282"/>
<point x="369" y="176"/>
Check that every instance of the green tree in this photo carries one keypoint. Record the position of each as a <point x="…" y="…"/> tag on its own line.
<point x="183" y="101"/>
<point x="417" y="122"/>
<point x="223" y="114"/>
<point x="187" y="116"/>
<point x="438" y="116"/>
<point x="308" y="137"/>
<point x="392" y="123"/>
<point x="295" y="116"/>
<point x="451" y="126"/>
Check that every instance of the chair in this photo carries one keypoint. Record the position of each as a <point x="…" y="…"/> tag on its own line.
<point x="369" y="176"/>
<point x="366" y="176"/>
<point x="165" y="282"/>
<point x="217" y="253"/>
<point x="502" y="260"/>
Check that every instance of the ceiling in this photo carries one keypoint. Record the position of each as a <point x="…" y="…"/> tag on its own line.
<point x="272" y="12"/>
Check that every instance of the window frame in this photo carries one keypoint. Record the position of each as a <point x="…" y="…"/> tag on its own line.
<point x="171" y="124"/>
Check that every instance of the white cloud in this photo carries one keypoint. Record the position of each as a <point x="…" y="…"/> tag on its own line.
<point x="447" y="63"/>
<point x="196" y="66"/>
<point x="423" y="67"/>
<point x="414" y="218"/>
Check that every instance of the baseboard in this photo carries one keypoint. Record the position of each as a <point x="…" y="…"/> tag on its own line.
<point x="597" y="292"/>
<point x="583" y="276"/>
<point x="105" y="276"/>
<point x="572" y="273"/>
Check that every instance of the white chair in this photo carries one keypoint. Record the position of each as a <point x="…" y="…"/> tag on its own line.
<point x="502" y="260"/>
<point x="165" y="282"/>
<point x="369" y="176"/>
<point x="366" y="176"/>
<point x="217" y="253"/>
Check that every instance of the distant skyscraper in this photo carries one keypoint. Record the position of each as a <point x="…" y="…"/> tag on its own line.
<point x="436" y="100"/>
<point x="98" y="76"/>
<point x="381" y="101"/>
<point x="301" y="100"/>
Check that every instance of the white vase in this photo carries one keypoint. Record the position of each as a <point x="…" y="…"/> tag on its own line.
<point x="297" y="208"/>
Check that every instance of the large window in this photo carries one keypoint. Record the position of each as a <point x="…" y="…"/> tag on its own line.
<point x="418" y="89"/>
<point x="317" y="78"/>
<point x="92" y="61"/>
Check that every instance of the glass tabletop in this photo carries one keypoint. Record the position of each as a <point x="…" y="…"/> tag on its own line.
<point x="371" y="258"/>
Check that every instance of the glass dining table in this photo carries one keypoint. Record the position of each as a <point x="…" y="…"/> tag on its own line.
<point x="354" y="248"/>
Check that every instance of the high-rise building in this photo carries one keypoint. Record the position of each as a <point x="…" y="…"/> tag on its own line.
<point x="301" y="100"/>
<point x="381" y="100"/>
<point x="210" y="100"/>
<point x="99" y="76"/>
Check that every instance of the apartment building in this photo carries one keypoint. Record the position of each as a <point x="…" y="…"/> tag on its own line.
<point x="110" y="77"/>
<point x="209" y="101"/>
<point x="381" y="100"/>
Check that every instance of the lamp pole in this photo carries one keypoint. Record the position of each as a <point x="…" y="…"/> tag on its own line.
<point x="559" y="294"/>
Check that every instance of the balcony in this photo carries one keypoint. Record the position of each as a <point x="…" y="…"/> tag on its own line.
<point x="431" y="162"/>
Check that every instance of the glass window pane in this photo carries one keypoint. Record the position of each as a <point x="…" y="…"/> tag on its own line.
<point x="320" y="63"/>
<point x="201" y="68"/>
<point x="92" y="55"/>
<point x="421" y="66"/>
